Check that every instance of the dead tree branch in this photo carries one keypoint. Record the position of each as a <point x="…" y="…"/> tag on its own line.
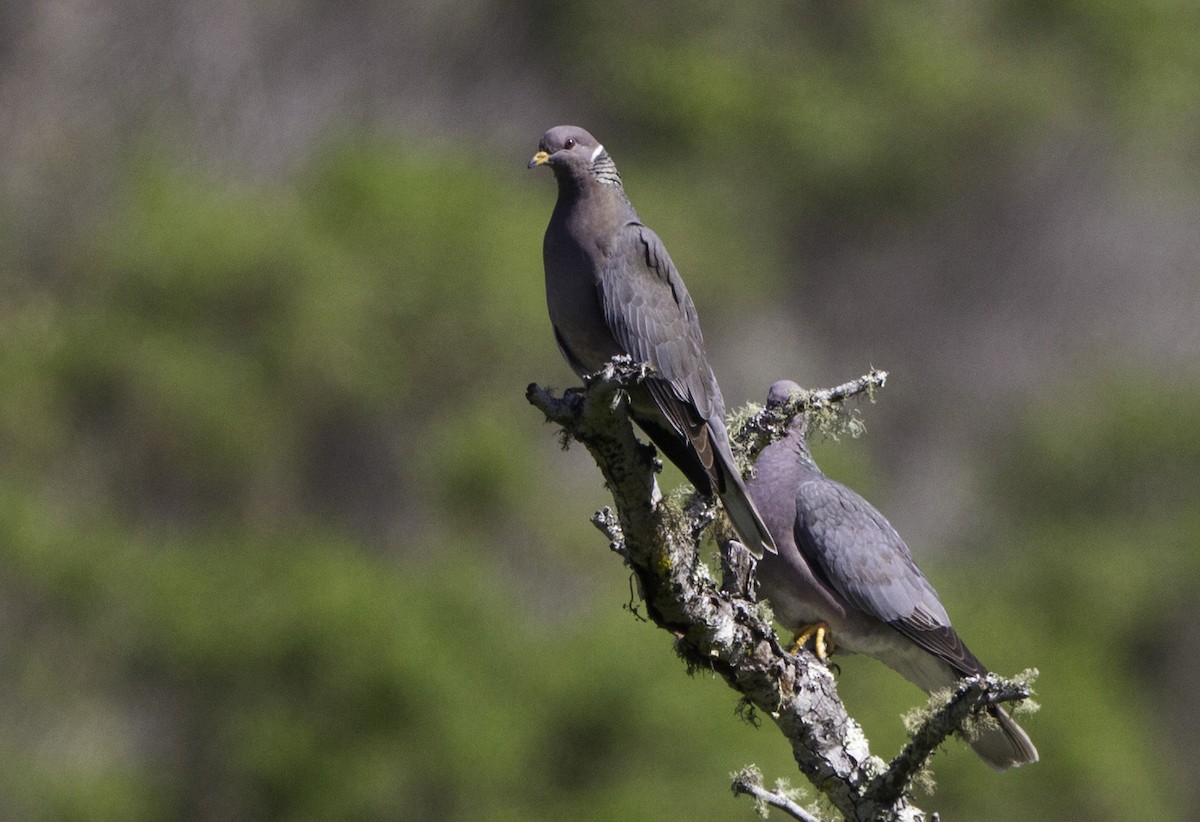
<point x="718" y="627"/>
<point x="971" y="698"/>
<point x="749" y="782"/>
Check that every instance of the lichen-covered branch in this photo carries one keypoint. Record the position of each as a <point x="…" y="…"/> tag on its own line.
<point x="717" y="626"/>
<point x="970" y="698"/>
<point x="755" y="431"/>
<point x="749" y="782"/>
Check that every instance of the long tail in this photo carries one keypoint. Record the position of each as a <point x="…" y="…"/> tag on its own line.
<point x="743" y="513"/>
<point x="703" y="454"/>
<point x="1007" y="746"/>
<point x="1002" y="746"/>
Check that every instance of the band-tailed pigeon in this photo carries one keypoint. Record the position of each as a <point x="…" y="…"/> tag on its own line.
<point x="612" y="289"/>
<point x="842" y="568"/>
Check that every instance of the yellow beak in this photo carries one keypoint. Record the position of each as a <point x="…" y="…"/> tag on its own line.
<point x="539" y="159"/>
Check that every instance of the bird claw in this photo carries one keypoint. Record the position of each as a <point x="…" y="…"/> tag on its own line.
<point x="819" y="633"/>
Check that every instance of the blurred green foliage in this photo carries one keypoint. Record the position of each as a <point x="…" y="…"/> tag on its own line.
<point x="280" y="538"/>
<point x="258" y="450"/>
<point x="293" y="676"/>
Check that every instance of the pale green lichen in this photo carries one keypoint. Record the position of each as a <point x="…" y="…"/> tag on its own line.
<point x="1027" y="706"/>
<point x="826" y="412"/>
<point x="925" y="781"/>
<point x="917" y="716"/>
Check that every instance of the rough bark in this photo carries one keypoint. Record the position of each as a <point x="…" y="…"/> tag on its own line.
<point x="719" y="626"/>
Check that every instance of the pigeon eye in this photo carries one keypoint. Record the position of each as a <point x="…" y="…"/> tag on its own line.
<point x="569" y="143"/>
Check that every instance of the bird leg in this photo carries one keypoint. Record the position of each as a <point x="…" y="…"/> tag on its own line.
<point x="819" y="633"/>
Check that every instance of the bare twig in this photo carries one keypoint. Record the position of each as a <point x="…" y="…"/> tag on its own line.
<point x="748" y="781"/>
<point x="865" y="384"/>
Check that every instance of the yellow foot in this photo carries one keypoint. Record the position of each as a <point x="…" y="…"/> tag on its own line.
<point x="822" y="641"/>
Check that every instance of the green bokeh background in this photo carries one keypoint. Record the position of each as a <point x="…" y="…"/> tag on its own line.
<point x="280" y="537"/>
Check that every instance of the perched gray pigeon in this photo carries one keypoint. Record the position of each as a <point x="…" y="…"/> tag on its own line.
<point x="612" y="289"/>
<point x="842" y="567"/>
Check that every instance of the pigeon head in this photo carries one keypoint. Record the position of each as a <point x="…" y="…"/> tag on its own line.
<point x="781" y="392"/>
<point x="575" y="155"/>
<point x="566" y="146"/>
<point x="779" y="395"/>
